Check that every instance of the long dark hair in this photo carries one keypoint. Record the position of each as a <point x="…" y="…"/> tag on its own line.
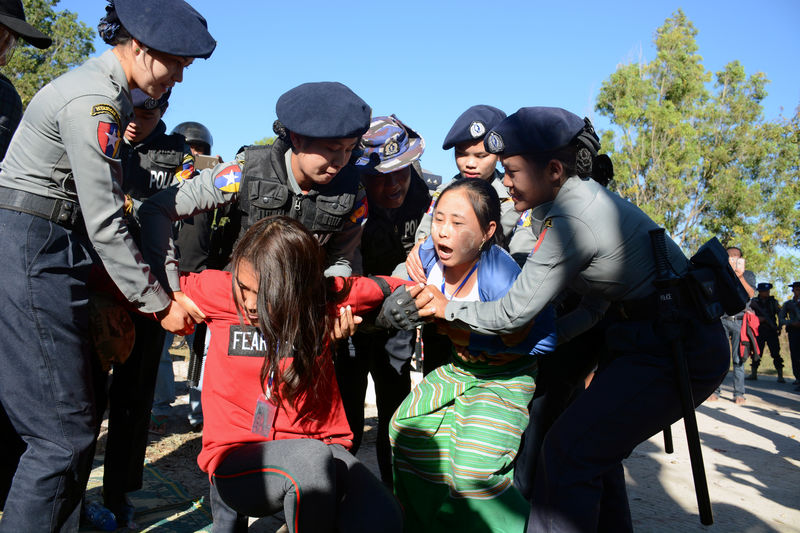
<point x="296" y="303"/>
<point x="486" y="204"/>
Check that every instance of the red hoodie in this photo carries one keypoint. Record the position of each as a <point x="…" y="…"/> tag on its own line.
<point x="231" y="382"/>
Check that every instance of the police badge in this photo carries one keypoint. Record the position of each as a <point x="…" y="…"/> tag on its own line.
<point x="494" y="142"/>
<point x="391" y="148"/>
<point x="477" y="129"/>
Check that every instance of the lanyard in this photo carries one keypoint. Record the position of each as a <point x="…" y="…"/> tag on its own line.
<point x="475" y="266"/>
<point x="268" y="392"/>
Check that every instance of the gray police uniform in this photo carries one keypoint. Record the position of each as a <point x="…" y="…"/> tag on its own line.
<point x="519" y="240"/>
<point x="596" y="243"/>
<point x="64" y="153"/>
<point x="67" y="148"/>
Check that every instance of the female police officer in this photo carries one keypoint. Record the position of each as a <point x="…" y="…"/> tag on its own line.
<point x="61" y="203"/>
<point x="596" y="243"/>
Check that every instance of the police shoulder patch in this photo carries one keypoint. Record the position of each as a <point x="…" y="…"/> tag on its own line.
<point x="108" y="137"/>
<point x="106" y="109"/>
<point x="433" y="205"/>
<point x="229" y="178"/>
<point x="360" y="213"/>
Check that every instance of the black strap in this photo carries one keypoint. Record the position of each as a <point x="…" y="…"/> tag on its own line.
<point x="383" y="284"/>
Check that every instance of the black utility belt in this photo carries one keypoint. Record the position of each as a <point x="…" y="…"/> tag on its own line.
<point x="647" y="308"/>
<point x="63" y="212"/>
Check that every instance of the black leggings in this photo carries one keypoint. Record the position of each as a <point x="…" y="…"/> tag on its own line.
<point x="318" y="487"/>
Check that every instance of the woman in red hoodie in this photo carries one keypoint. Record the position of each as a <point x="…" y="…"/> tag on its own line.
<point x="276" y="436"/>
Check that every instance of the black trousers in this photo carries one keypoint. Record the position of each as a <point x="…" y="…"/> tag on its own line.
<point x="769" y="337"/>
<point x="130" y="400"/>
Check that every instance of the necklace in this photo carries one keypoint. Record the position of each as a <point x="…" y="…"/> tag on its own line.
<point x="464" y="281"/>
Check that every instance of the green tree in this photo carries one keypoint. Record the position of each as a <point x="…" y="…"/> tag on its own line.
<point x="30" y="69"/>
<point x="266" y="141"/>
<point x="700" y="158"/>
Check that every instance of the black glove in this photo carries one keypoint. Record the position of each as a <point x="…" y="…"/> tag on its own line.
<point x="399" y="311"/>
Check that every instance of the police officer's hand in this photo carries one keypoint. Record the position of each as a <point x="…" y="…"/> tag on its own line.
<point x="189" y="305"/>
<point x="345" y="324"/>
<point x="414" y="265"/>
<point x="429" y="300"/>
<point x="175" y="319"/>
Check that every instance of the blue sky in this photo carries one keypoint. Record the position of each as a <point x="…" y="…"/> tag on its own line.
<point x="427" y="62"/>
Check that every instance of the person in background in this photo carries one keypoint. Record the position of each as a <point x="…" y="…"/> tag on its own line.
<point x="766" y="308"/>
<point x="397" y="196"/>
<point x="62" y="209"/>
<point x="474" y="161"/>
<point x="733" y="326"/>
<point x="790" y="319"/>
<point x="12" y="28"/>
<point x="194" y="247"/>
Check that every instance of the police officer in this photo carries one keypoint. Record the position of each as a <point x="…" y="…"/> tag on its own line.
<point x="12" y="27"/>
<point x="766" y="308"/>
<point x="593" y="241"/>
<point x="198" y="137"/>
<point x="152" y="160"/>
<point x="473" y="161"/>
<point x="790" y="319"/>
<point x="61" y="203"/>
<point x="307" y="172"/>
<point x="204" y="241"/>
<point x="398" y="197"/>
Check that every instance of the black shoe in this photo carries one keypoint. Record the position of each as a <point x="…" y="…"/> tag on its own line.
<point x="751" y="377"/>
<point x="781" y="380"/>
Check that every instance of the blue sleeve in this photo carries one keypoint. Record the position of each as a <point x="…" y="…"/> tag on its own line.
<point x="541" y="338"/>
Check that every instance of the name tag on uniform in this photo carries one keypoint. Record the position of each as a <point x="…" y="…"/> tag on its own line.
<point x="246" y="341"/>
<point x="264" y="416"/>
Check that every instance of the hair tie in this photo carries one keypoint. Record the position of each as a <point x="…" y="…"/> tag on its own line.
<point x="280" y="130"/>
<point x="108" y="30"/>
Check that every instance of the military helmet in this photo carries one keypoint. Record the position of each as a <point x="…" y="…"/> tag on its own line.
<point x="195" y="133"/>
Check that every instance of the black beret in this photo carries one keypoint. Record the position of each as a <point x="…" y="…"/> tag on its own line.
<point x="169" y="26"/>
<point x="764" y="286"/>
<point x="325" y="109"/>
<point x="532" y="130"/>
<point x="794" y="285"/>
<point x="473" y="124"/>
